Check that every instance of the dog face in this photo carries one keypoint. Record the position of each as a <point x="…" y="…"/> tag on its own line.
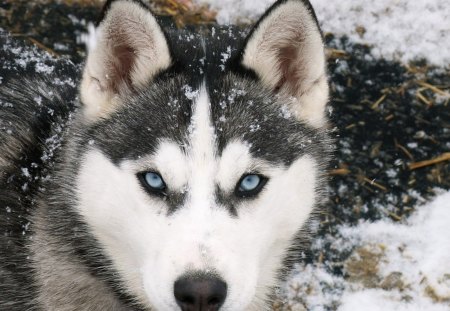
<point x="200" y="165"/>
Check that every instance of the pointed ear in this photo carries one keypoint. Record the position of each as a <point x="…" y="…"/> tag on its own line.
<point x="128" y="49"/>
<point x="286" y="51"/>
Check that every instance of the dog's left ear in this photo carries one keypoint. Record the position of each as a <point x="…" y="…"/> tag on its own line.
<point x="286" y="51"/>
<point x="128" y="50"/>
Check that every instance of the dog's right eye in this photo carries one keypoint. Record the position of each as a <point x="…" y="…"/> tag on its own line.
<point x="153" y="182"/>
<point x="250" y="185"/>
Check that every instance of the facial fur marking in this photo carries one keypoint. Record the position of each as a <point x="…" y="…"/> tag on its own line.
<point x="202" y="150"/>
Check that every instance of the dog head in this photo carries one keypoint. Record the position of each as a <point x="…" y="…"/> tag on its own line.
<point x="201" y="157"/>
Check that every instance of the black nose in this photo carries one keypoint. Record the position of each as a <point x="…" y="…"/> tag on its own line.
<point x="200" y="293"/>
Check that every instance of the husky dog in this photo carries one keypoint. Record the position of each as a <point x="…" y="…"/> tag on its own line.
<point x="186" y="172"/>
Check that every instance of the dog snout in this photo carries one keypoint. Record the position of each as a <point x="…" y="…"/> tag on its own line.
<point x="200" y="293"/>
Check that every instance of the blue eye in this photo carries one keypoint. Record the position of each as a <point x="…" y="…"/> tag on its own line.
<point x="249" y="182"/>
<point x="250" y="185"/>
<point x="153" y="182"/>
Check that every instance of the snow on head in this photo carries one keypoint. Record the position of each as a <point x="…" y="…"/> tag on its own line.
<point x="400" y="30"/>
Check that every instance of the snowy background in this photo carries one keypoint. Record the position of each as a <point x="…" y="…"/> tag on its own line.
<point x="385" y="243"/>
<point x="397" y="29"/>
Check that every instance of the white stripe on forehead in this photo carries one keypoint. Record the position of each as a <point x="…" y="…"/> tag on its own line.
<point x="202" y="144"/>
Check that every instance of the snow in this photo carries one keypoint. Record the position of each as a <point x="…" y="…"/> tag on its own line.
<point x="379" y="300"/>
<point x="235" y="11"/>
<point x="396" y="29"/>
<point x="90" y="38"/>
<point x="312" y="288"/>
<point x="399" y="29"/>
<point x="408" y="266"/>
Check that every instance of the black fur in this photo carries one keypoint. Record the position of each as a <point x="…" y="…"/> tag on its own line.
<point x="34" y="108"/>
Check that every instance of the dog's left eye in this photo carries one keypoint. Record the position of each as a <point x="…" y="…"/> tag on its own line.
<point x="250" y="185"/>
<point x="153" y="182"/>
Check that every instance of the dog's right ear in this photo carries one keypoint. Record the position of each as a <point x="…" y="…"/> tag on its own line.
<point x="286" y="51"/>
<point x="128" y="50"/>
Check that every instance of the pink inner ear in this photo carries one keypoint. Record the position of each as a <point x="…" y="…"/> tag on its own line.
<point x="289" y="68"/>
<point x="120" y="66"/>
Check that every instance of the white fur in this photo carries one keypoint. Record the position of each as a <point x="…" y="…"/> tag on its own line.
<point x="169" y="161"/>
<point x="291" y="25"/>
<point x="125" y="24"/>
<point x="235" y="161"/>
<point x="152" y="249"/>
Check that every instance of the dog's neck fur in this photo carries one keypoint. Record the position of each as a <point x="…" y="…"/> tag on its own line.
<point x="64" y="283"/>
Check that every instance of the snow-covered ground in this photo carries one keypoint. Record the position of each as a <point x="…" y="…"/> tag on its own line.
<point x="394" y="266"/>
<point x="396" y="29"/>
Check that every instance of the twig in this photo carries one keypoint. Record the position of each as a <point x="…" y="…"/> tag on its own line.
<point x="339" y="171"/>
<point x="405" y="151"/>
<point x="443" y="157"/>
<point x="335" y="53"/>
<point x="378" y="102"/>
<point x="424" y="99"/>
<point x="433" y="88"/>
<point x="389" y="117"/>
<point x="373" y="183"/>
<point x="43" y="47"/>
<point x="395" y="216"/>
